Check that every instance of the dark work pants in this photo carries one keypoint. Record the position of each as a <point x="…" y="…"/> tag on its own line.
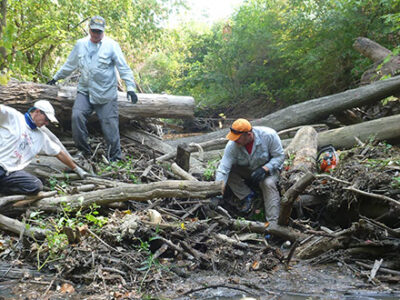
<point x="19" y="182"/>
<point x="109" y="120"/>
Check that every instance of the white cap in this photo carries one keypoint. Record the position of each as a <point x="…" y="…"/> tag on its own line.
<point x="47" y="108"/>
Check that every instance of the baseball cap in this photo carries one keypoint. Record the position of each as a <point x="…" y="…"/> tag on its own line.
<point x="47" y="108"/>
<point x="98" y="23"/>
<point x="238" y="127"/>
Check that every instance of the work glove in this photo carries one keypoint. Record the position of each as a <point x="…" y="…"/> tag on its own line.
<point x="52" y="82"/>
<point x="132" y="95"/>
<point x="258" y="175"/>
<point x="81" y="173"/>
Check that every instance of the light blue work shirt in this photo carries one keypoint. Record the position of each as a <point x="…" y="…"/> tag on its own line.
<point x="267" y="151"/>
<point x="97" y="63"/>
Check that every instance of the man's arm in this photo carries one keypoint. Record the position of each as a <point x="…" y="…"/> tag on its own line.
<point x="124" y="70"/>
<point x="66" y="159"/>
<point x="225" y="166"/>
<point x="276" y="152"/>
<point x="70" y="65"/>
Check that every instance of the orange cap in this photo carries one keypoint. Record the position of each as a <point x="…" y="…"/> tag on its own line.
<point x="238" y="127"/>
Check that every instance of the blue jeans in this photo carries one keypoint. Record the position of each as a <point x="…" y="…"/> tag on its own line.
<point x="19" y="182"/>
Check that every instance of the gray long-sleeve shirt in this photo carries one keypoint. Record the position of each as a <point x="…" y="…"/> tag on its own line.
<point x="97" y="64"/>
<point x="267" y="151"/>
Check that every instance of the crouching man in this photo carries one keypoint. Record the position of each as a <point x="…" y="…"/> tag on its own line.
<point x="21" y="139"/>
<point x="253" y="157"/>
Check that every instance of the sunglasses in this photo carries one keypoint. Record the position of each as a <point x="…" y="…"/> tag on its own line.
<point x="97" y="31"/>
<point x="237" y="131"/>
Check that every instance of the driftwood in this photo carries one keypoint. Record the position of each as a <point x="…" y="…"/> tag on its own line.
<point x="22" y="95"/>
<point x="264" y="228"/>
<point x="377" y="54"/>
<point x="193" y="147"/>
<point x="19" y="228"/>
<point x="137" y="192"/>
<point x="159" y="146"/>
<point x="314" y="110"/>
<point x="291" y="195"/>
<point x="181" y="173"/>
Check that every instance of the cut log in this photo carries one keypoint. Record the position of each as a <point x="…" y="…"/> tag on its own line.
<point x="22" y="95"/>
<point x="137" y="192"/>
<point x="371" y="49"/>
<point x="377" y="54"/>
<point x="183" y="157"/>
<point x="314" y="110"/>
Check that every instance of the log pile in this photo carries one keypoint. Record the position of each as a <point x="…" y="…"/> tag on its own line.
<point x="143" y="223"/>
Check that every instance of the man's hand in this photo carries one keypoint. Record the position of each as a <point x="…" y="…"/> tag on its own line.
<point x="82" y="173"/>
<point x="258" y="175"/>
<point x="132" y="96"/>
<point x="52" y="82"/>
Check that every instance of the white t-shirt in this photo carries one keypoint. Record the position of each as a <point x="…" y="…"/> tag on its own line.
<point x="19" y="144"/>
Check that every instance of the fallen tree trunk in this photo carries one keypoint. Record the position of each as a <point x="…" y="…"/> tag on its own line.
<point x="377" y="54"/>
<point x="22" y="95"/>
<point x="387" y="128"/>
<point x="313" y="110"/>
<point x="303" y="148"/>
<point x="381" y="129"/>
<point x="137" y="192"/>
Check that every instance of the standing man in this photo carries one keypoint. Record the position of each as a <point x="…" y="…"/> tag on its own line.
<point x="96" y="57"/>
<point x="21" y="140"/>
<point x="253" y="155"/>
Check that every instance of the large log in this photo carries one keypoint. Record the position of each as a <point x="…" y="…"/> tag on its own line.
<point x="314" y="110"/>
<point x="137" y="192"/>
<point x="22" y="95"/>
<point x="377" y="54"/>
<point x="382" y="129"/>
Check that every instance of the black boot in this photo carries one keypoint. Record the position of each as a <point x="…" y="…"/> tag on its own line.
<point x="247" y="203"/>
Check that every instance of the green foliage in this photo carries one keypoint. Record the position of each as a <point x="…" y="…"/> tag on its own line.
<point x="37" y="32"/>
<point x="209" y="172"/>
<point x="126" y="167"/>
<point x="59" y="185"/>
<point x="56" y="241"/>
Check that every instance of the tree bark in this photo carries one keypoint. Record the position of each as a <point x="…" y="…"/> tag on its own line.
<point x="137" y="192"/>
<point x="18" y="227"/>
<point x="303" y="148"/>
<point x="377" y="54"/>
<point x="314" y="110"/>
<point x="387" y="128"/>
<point x="22" y="95"/>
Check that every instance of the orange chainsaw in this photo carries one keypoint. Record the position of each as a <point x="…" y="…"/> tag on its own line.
<point x="327" y="158"/>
